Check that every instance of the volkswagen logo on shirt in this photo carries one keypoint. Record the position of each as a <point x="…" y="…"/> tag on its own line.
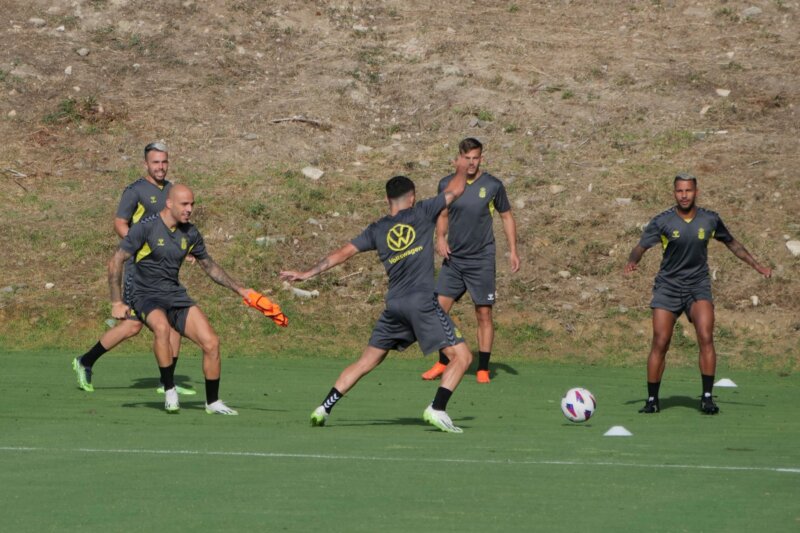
<point x="400" y="237"/>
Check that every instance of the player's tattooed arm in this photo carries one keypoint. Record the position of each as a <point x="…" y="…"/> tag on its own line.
<point x="218" y="275"/>
<point x="119" y="309"/>
<point x="334" y="258"/>
<point x="320" y="267"/>
<point x="741" y="252"/>
<point x="115" y="269"/>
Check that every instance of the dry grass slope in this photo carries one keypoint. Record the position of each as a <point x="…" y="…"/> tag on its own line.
<point x="599" y="101"/>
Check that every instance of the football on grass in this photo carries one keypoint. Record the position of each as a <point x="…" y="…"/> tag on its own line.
<point x="578" y="405"/>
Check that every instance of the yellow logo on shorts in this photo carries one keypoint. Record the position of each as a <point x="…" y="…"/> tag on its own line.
<point x="400" y="237"/>
<point x="458" y="333"/>
<point x="183" y="243"/>
<point x="701" y="234"/>
<point x="482" y="192"/>
<point x="675" y="234"/>
<point x="160" y="242"/>
<point x="153" y="200"/>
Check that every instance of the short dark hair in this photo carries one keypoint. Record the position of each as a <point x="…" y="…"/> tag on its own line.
<point x="398" y="186"/>
<point x="156" y="146"/>
<point x="469" y="144"/>
<point x="684" y="176"/>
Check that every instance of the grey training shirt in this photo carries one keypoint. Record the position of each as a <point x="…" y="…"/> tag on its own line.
<point x="159" y="253"/>
<point x="469" y="230"/>
<point x="404" y="243"/>
<point x="685" y="244"/>
<point x="140" y="199"/>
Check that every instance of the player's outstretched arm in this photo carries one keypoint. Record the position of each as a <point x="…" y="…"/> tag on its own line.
<point x="119" y="309"/>
<point x="218" y="274"/>
<point x="334" y="258"/>
<point x="741" y="252"/>
<point x="634" y="258"/>
<point x="510" y="229"/>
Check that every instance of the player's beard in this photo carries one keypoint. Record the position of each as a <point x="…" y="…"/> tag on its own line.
<point x="687" y="210"/>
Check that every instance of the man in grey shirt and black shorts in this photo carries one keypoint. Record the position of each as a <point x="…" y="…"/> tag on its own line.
<point x="159" y="244"/>
<point x="144" y="197"/>
<point x="465" y="239"/>
<point x="404" y="243"/>
<point x="683" y="284"/>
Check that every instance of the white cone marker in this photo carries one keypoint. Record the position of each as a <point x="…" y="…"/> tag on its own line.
<point x="725" y="382"/>
<point x="617" y="431"/>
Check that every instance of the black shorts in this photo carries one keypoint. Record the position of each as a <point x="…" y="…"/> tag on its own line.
<point x="414" y="317"/>
<point x="476" y="275"/>
<point x="176" y="314"/>
<point x="679" y="299"/>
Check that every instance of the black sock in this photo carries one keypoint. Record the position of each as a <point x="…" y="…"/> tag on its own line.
<point x="212" y="390"/>
<point x="443" y="358"/>
<point x="652" y="389"/>
<point x="91" y="357"/>
<point x="441" y="399"/>
<point x="483" y="360"/>
<point x="172" y="366"/>
<point x="331" y="399"/>
<point x="708" y="384"/>
<point x="167" y="376"/>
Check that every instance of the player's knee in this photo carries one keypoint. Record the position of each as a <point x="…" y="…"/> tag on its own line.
<point x="459" y="354"/>
<point x="705" y="338"/>
<point x="133" y="327"/>
<point x="660" y="346"/>
<point x="211" y="344"/>
<point x="483" y="313"/>
<point x="158" y="324"/>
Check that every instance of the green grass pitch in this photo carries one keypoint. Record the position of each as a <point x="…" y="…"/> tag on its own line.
<point x="112" y="460"/>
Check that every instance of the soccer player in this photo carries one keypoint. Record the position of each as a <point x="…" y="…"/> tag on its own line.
<point x="465" y="239"/>
<point x="683" y="284"/>
<point x="159" y="243"/>
<point x="404" y="242"/>
<point x="143" y="197"/>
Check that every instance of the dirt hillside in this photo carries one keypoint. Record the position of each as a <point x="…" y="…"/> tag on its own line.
<point x="587" y="110"/>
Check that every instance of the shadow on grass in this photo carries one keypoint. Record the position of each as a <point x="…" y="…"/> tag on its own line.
<point x="195" y="405"/>
<point x="669" y="402"/>
<point x="159" y="406"/>
<point x="494" y="370"/>
<point x="154" y="383"/>
<point x="690" y="402"/>
<point x="396" y="422"/>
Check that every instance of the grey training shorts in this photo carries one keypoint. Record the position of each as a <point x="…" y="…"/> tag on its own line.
<point x="476" y="275"/>
<point x="679" y="299"/>
<point x="414" y="317"/>
<point x="176" y="314"/>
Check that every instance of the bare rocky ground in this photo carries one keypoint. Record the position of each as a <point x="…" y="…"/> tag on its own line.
<point x="587" y="110"/>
